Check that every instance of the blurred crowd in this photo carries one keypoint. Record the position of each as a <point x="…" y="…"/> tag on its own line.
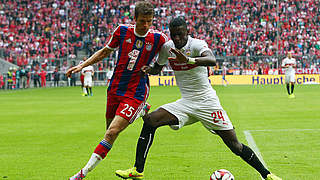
<point x="34" y="32"/>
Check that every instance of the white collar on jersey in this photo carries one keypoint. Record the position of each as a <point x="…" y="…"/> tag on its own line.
<point x="135" y="32"/>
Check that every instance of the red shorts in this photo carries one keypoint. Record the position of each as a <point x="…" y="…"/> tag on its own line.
<point x="82" y="79"/>
<point x="128" y="108"/>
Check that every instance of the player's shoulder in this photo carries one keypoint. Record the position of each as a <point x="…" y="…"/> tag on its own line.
<point x="196" y="41"/>
<point x="169" y="44"/>
<point x="126" y="26"/>
<point x="166" y="48"/>
<point x="163" y="35"/>
<point x="198" y="44"/>
<point x="88" y="67"/>
<point x="155" y="31"/>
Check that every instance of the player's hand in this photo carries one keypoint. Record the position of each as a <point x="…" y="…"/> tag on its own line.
<point x="180" y="57"/>
<point x="145" y="69"/>
<point x="74" y="69"/>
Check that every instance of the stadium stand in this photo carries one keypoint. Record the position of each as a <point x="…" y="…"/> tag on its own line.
<point x="243" y="33"/>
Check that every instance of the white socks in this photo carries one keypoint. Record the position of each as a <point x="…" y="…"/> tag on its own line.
<point x="92" y="163"/>
<point x="84" y="90"/>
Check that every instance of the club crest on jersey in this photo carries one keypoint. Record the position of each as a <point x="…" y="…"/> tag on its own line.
<point x="139" y="44"/>
<point x="148" y="46"/>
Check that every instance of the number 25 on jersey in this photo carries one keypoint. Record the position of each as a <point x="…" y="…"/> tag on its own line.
<point x="128" y="110"/>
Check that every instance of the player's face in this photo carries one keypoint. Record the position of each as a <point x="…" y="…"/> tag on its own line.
<point x="143" y="23"/>
<point x="179" y="36"/>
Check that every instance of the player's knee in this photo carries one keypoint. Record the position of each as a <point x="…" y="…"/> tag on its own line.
<point x="151" y="121"/>
<point x="236" y="148"/>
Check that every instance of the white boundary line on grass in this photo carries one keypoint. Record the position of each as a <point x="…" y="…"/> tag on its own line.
<point x="254" y="146"/>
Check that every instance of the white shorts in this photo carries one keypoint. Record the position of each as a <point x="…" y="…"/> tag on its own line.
<point x="87" y="81"/>
<point x="290" y="78"/>
<point x="189" y="112"/>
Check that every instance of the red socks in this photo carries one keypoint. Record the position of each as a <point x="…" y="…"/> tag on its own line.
<point x="103" y="148"/>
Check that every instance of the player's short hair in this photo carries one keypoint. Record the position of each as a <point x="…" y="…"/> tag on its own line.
<point x="178" y="21"/>
<point x="143" y="8"/>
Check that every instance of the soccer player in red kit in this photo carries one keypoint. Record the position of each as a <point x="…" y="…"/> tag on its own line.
<point x="129" y="88"/>
<point x="43" y="75"/>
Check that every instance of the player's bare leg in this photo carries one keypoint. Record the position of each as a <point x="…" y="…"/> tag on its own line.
<point x="114" y="127"/>
<point x="229" y="137"/>
<point x="152" y="121"/>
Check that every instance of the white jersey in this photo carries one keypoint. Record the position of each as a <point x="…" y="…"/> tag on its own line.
<point x="224" y="70"/>
<point x="199" y="100"/>
<point x="192" y="79"/>
<point x="291" y="62"/>
<point x="109" y="74"/>
<point x="88" y="71"/>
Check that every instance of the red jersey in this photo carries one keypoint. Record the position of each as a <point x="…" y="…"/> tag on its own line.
<point x="134" y="52"/>
<point x="43" y="74"/>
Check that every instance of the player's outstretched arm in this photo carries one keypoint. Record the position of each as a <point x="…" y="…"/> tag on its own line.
<point x="96" y="57"/>
<point x="206" y="58"/>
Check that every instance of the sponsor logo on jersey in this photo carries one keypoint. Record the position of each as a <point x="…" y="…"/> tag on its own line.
<point x="128" y="40"/>
<point x="181" y="66"/>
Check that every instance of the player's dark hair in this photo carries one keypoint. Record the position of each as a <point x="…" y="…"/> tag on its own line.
<point x="178" y="21"/>
<point x="143" y="8"/>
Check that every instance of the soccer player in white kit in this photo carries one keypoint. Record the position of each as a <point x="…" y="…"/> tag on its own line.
<point x="199" y="101"/>
<point x="289" y="63"/>
<point x="88" y="72"/>
<point x="224" y="73"/>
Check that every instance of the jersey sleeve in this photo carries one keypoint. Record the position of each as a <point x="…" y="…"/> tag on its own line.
<point x="200" y="46"/>
<point x="284" y="62"/>
<point x="163" y="54"/>
<point x="163" y="39"/>
<point x="114" y="40"/>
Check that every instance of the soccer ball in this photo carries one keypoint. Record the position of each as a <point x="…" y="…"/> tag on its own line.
<point x="222" y="174"/>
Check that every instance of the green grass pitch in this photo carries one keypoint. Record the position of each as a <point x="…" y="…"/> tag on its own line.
<point x="49" y="134"/>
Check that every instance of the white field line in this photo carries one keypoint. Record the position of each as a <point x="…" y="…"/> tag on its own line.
<point x="254" y="146"/>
